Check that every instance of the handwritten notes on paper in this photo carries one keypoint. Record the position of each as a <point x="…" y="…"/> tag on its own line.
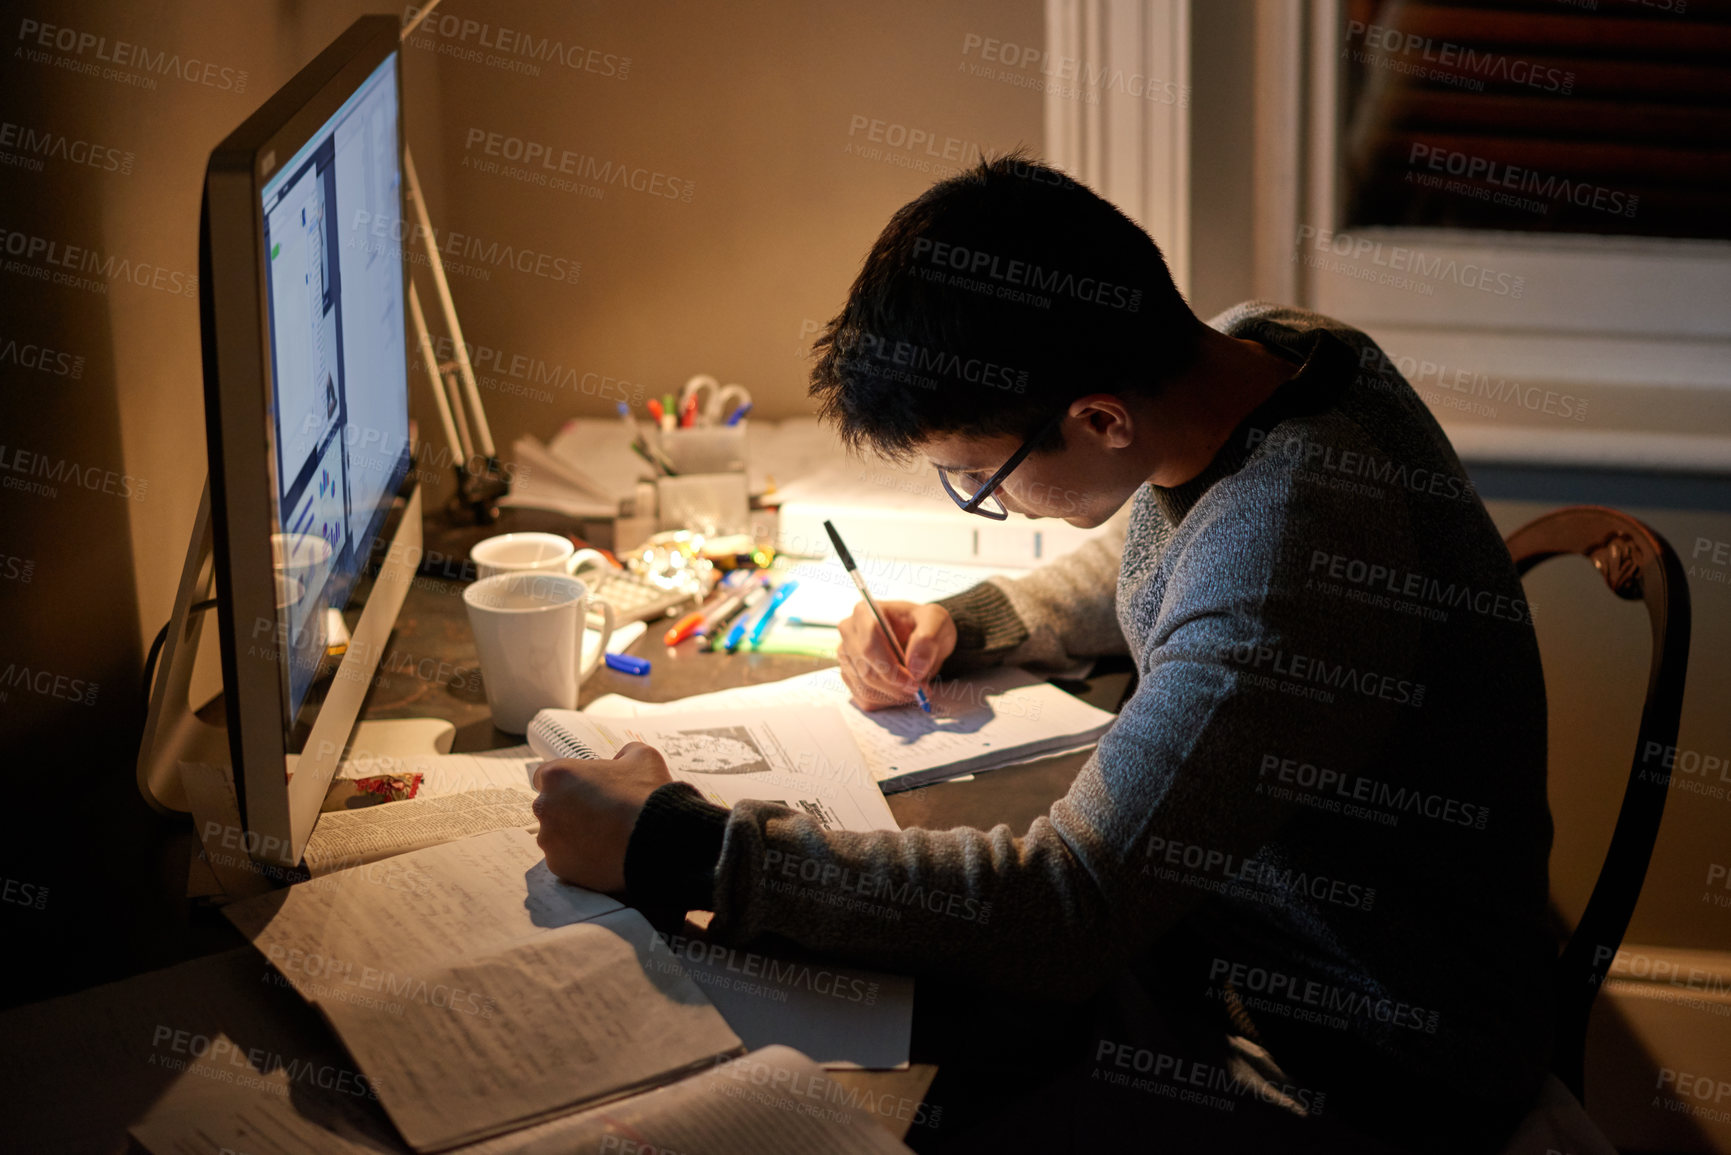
<point x="479" y="993"/>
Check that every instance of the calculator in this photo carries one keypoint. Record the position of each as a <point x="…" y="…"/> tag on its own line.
<point x="634" y="598"/>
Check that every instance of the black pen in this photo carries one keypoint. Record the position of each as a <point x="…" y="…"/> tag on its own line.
<point x="889" y="634"/>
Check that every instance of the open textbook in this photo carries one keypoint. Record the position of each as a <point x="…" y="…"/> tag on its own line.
<point x="770" y="1102"/>
<point x="801" y="757"/>
<point x="459" y="795"/>
<point x="479" y="994"/>
<point x="977" y="723"/>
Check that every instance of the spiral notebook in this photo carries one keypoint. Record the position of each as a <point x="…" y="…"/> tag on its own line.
<point x="800" y="757"/>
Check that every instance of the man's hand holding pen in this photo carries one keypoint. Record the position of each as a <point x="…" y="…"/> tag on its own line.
<point x="869" y="667"/>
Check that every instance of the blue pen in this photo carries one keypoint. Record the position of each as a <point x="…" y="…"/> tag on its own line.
<point x="737" y="633"/>
<point x="738" y="415"/>
<point x="787" y="587"/>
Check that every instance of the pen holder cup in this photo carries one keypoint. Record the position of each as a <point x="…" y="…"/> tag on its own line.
<point x="705" y="448"/>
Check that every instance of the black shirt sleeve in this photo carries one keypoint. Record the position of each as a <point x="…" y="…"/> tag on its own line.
<point x="671" y="856"/>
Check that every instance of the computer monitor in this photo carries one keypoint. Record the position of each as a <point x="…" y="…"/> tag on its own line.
<point x="303" y="293"/>
<point x="338" y="420"/>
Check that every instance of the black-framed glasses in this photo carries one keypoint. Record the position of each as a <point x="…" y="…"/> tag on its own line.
<point x="956" y="482"/>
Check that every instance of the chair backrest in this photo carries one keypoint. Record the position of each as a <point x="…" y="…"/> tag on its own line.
<point x="1636" y="563"/>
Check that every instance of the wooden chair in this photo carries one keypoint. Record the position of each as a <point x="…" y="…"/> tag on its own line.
<point x="1636" y="563"/>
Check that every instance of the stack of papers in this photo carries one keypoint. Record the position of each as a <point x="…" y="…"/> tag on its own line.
<point x="977" y="723"/>
<point x="584" y="472"/>
<point x="793" y="453"/>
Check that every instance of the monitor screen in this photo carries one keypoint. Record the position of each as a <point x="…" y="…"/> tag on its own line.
<point x="339" y="415"/>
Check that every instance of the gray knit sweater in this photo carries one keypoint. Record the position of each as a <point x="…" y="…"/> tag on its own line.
<point x="1320" y="819"/>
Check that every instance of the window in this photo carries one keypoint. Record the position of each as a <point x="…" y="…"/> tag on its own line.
<point x="1563" y="116"/>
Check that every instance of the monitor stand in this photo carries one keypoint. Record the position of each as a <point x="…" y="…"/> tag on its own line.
<point x="174" y="733"/>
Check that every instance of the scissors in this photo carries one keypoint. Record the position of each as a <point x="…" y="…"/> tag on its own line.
<point x="721" y="400"/>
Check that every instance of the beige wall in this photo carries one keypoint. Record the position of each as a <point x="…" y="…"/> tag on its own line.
<point x="752" y="107"/>
<point x="757" y="112"/>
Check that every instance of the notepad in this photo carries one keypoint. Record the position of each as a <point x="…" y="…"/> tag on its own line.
<point x="977" y="723"/>
<point x="801" y="757"/>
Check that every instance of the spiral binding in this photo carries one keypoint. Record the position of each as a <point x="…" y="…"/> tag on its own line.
<point x="568" y="744"/>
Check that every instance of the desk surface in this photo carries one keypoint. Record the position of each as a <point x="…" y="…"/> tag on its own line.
<point x="429" y="671"/>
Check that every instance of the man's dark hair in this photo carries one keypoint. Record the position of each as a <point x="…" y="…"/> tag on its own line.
<point x="992" y="301"/>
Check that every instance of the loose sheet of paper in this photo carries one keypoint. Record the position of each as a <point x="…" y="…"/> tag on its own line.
<point x="478" y="992"/>
<point x="771" y="1102"/>
<point x="841" y="1016"/>
<point x="978" y="723"/>
<point x="800" y="757"/>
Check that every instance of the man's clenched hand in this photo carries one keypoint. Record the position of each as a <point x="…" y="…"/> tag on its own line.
<point x="587" y="808"/>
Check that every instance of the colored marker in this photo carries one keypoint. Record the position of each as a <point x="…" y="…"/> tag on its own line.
<point x="688" y="625"/>
<point x="737" y="633"/>
<point x="725" y="613"/>
<point x="781" y="594"/>
<point x="738" y="415"/>
<point x="683" y="628"/>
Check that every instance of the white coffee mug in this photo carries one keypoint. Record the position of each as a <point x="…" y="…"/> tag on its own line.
<point x="529" y="632"/>
<point x="531" y="553"/>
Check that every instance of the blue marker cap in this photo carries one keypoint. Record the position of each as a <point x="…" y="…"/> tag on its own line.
<point x="626" y="664"/>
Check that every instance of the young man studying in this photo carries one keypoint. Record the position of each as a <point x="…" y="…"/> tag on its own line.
<point x="1316" y="836"/>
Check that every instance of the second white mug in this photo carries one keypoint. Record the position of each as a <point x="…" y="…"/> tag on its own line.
<point x="531" y="553"/>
